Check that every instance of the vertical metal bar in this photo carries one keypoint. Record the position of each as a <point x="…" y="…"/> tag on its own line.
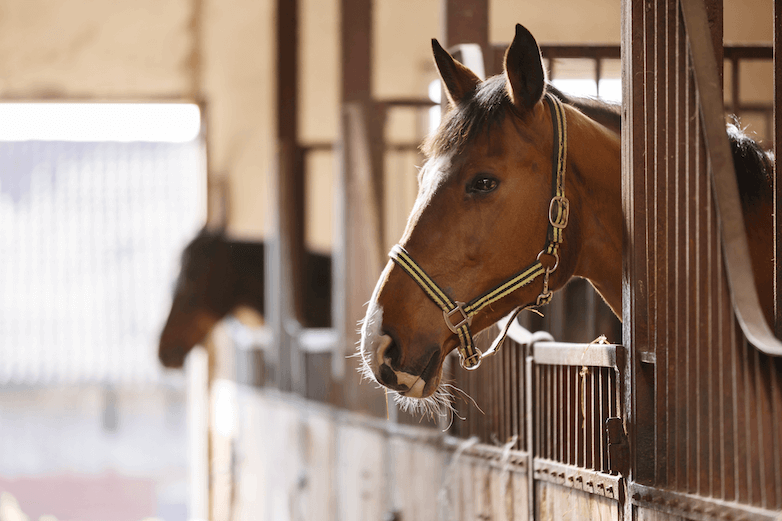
<point x="601" y="416"/>
<point x="502" y="398"/>
<point x="584" y="419"/>
<point x="777" y="180"/>
<point x="749" y="415"/>
<point x="697" y="216"/>
<point x="666" y="364"/>
<point x="568" y="417"/>
<point x="530" y="419"/>
<point x="578" y="423"/>
<point x="551" y="411"/>
<point x="558" y="437"/>
<point x="547" y="421"/>
<point x="538" y="437"/>
<point x="508" y="380"/>
<point x="723" y="343"/>
<point x="593" y="428"/>
<point x="521" y="396"/>
<point x="513" y="388"/>
<point x="776" y="434"/>
<point x="684" y="311"/>
<point x="636" y="302"/>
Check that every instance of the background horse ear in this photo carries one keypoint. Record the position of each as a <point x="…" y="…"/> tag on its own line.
<point x="459" y="81"/>
<point x="524" y="70"/>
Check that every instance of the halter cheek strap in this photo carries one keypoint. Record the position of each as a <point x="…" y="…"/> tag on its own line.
<point x="458" y="315"/>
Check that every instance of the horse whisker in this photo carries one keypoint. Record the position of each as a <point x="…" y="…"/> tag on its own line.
<point x="465" y="395"/>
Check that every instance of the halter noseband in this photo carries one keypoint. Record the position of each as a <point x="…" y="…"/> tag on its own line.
<point x="458" y="315"/>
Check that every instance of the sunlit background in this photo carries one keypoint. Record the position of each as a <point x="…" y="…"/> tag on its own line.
<point x="98" y="197"/>
<point x="96" y="203"/>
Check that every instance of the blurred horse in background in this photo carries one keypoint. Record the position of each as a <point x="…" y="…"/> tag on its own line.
<point x="217" y="276"/>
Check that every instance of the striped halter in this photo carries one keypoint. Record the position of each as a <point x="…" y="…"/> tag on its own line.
<point x="458" y="315"/>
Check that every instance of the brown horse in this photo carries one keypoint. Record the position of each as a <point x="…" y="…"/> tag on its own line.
<point x="519" y="193"/>
<point x="217" y="276"/>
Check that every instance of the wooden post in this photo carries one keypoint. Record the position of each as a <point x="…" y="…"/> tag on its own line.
<point x="467" y="21"/>
<point x="286" y="251"/>
<point x="357" y="261"/>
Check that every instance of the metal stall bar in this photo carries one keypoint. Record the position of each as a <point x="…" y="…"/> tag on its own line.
<point x="777" y="50"/>
<point x="702" y="398"/>
<point x="568" y="418"/>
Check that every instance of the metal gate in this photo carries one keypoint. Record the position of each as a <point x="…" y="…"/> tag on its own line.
<point x="703" y="403"/>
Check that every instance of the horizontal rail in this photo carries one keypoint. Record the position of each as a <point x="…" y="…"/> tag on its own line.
<point x="741" y="281"/>
<point x="695" y="507"/>
<point x="547" y="352"/>
<point x="755" y="51"/>
<point x="309" y="340"/>
<point x="571" y="354"/>
<point x="588" y="480"/>
<point x="761" y="51"/>
<point x="407" y="102"/>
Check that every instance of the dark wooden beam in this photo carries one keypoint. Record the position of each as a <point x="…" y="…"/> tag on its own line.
<point x="358" y="231"/>
<point x="467" y="21"/>
<point x="284" y="269"/>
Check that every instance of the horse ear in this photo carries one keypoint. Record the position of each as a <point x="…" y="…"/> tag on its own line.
<point x="524" y="70"/>
<point x="459" y="81"/>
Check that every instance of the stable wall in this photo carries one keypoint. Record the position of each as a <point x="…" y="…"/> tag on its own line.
<point x="222" y="53"/>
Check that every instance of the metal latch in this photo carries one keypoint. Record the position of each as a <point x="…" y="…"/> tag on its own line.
<point x="618" y="448"/>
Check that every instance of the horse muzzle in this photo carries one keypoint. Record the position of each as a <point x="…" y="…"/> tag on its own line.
<point x="382" y="355"/>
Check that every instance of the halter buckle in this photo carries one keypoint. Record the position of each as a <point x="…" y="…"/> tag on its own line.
<point x="465" y="318"/>
<point x="472" y="362"/>
<point x="559" y="211"/>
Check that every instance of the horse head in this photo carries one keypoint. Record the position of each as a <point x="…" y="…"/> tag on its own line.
<point x="488" y="206"/>
<point x="200" y="297"/>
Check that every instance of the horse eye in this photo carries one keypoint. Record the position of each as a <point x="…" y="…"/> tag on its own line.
<point x="483" y="184"/>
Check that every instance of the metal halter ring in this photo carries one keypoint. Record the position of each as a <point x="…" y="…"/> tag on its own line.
<point x="465" y="318"/>
<point x="478" y="357"/>
<point x="553" y="254"/>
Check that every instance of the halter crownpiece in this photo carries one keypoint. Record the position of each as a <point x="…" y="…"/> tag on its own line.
<point x="458" y="315"/>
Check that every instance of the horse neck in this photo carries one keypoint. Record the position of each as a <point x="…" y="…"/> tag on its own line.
<point x="594" y="168"/>
<point x="247" y="269"/>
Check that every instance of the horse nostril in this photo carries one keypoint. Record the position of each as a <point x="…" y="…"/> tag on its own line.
<point x="388" y="351"/>
<point x="387" y="376"/>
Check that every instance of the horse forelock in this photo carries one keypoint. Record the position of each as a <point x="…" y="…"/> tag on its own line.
<point x="487" y="107"/>
<point x="471" y="117"/>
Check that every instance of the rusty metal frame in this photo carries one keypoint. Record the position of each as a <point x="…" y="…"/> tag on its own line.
<point x="697" y="508"/>
<point x="746" y="303"/>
